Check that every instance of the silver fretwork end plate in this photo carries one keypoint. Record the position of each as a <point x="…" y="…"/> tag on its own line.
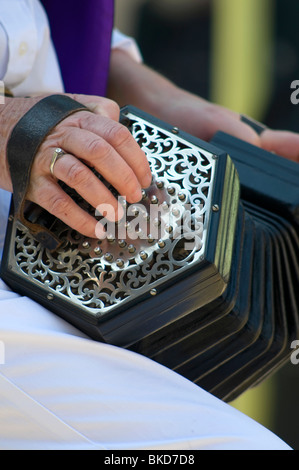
<point x="161" y="237"/>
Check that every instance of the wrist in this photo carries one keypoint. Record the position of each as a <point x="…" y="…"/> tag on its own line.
<point x="10" y="112"/>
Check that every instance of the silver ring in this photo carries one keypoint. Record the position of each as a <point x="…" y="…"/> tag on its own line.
<point x="58" y="153"/>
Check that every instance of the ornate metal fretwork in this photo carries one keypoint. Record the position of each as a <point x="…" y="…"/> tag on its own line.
<point x="162" y="235"/>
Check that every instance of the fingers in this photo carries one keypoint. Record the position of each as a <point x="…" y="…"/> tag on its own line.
<point x="120" y="138"/>
<point x="49" y="195"/>
<point x="78" y="176"/>
<point x="111" y="150"/>
<point x="104" y="122"/>
<point x="231" y="124"/>
<point x="283" y="143"/>
<point x="243" y="131"/>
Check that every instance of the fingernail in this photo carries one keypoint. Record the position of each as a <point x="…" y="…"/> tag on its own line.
<point x="147" y="180"/>
<point x="136" y="196"/>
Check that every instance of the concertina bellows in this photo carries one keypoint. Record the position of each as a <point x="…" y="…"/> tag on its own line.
<point x="201" y="276"/>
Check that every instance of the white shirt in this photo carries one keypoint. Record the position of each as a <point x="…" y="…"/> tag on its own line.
<point x="28" y="62"/>
<point x="58" y="388"/>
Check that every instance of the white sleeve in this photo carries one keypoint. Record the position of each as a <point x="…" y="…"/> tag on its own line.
<point x="19" y="24"/>
<point x="127" y="44"/>
<point x="29" y="64"/>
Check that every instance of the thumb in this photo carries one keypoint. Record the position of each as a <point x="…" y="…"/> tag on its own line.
<point x="99" y="105"/>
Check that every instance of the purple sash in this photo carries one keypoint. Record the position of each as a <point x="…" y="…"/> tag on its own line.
<point x="81" y="32"/>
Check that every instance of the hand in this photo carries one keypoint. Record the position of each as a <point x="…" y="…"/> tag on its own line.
<point x="203" y="119"/>
<point x="90" y="139"/>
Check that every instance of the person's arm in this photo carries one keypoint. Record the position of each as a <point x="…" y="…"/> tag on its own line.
<point x="136" y="84"/>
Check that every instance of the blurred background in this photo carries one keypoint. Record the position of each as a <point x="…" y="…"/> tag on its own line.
<point x="242" y="54"/>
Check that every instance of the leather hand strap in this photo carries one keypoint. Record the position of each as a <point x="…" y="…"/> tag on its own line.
<point x="24" y="142"/>
<point x="258" y="127"/>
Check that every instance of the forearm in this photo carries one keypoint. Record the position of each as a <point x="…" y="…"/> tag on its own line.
<point x="137" y="84"/>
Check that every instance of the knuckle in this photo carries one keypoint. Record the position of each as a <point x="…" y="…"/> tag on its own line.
<point x="78" y="175"/>
<point x="119" y="135"/>
<point x="58" y="205"/>
<point x="104" y="153"/>
<point x="95" y="147"/>
<point x="111" y="108"/>
<point x="129" y="181"/>
<point x="83" y="119"/>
